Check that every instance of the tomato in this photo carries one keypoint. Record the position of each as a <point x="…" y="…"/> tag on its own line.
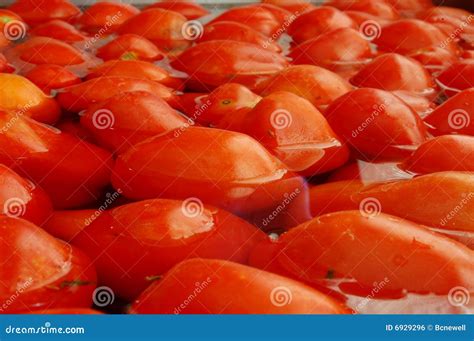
<point x="294" y="6"/>
<point x="226" y="106"/>
<point x="5" y="66"/>
<point x="231" y="30"/>
<point x="164" y="28"/>
<point x="444" y="153"/>
<point x="378" y="8"/>
<point x="49" y="77"/>
<point x="371" y="249"/>
<point x="369" y="172"/>
<point x="295" y="131"/>
<point x="189" y="9"/>
<point x="79" y="97"/>
<point x="37" y="12"/>
<point x="376" y="123"/>
<point x="369" y="24"/>
<point x="105" y="16"/>
<point x="421" y="103"/>
<point x="455" y="116"/>
<point x="117" y="128"/>
<point x="71" y="125"/>
<point x="43" y="50"/>
<point x="21" y="198"/>
<point x="40" y="271"/>
<point x="71" y="171"/>
<point x="231" y="61"/>
<point x="20" y="96"/>
<point x="68" y="311"/>
<point x="317" y="85"/>
<point x="135" y="69"/>
<point x="457" y="77"/>
<point x="134" y="243"/>
<point x="190" y="103"/>
<point x="258" y="17"/>
<point x="392" y="72"/>
<point x="411" y="6"/>
<point x="218" y="286"/>
<point x="130" y="47"/>
<point x="339" y="50"/>
<point x="65" y="225"/>
<point x="60" y="30"/>
<point x="457" y="13"/>
<point x="319" y="21"/>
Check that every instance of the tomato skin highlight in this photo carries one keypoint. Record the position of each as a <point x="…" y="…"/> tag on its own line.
<point x="168" y="231"/>
<point x="129" y="47"/>
<point x="49" y="77"/>
<point x="221" y="283"/>
<point x="60" y="276"/>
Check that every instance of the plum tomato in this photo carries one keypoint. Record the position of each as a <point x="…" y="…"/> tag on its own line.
<point x="379" y="8"/>
<point x="444" y="153"/>
<point x="293" y="6"/>
<point x="72" y="172"/>
<point x="59" y="30"/>
<point x="318" y="21"/>
<point x="20" y="198"/>
<point x="50" y="77"/>
<point x="20" y="96"/>
<point x="5" y="66"/>
<point x="65" y="225"/>
<point x="116" y="127"/>
<point x="130" y="47"/>
<point x="135" y="69"/>
<point x="105" y="14"/>
<point x="36" y="12"/>
<point x="67" y="311"/>
<point x="292" y="129"/>
<point x="224" y="287"/>
<point x="457" y="77"/>
<point x="230" y="61"/>
<point x="376" y="123"/>
<point x="369" y="172"/>
<point x="133" y="244"/>
<point x="189" y="9"/>
<point x="48" y="273"/>
<point x="80" y="96"/>
<point x="316" y="84"/>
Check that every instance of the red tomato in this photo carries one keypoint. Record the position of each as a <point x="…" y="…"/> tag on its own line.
<point x="230" y="61"/>
<point x="135" y="69"/>
<point x="43" y="50"/>
<point x="295" y="131"/>
<point x="317" y="85"/>
<point x="66" y="225"/>
<point x="455" y="116"/>
<point x="117" y="128"/>
<point x="79" y="97"/>
<point x="49" y="77"/>
<point x="105" y="15"/>
<point x="41" y="271"/>
<point x="457" y="77"/>
<point x="20" y="198"/>
<point x="419" y="102"/>
<point x="21" y="97"/>
<point x="71" y="171"/>
<point x="410" y="6"/>
<point x="190" y="103"/>
<point x="369" y="172"/>
<point x="71" y="125"/>
<point x="60" y="30"/>
<point x="294" y="6"/>
<point x="227" y="288"/>
<point x="164" y="28"/>
<point x="378" y="8"/>
<point x="344" y="49"/>
<point x="130" y="47"/>
<point x="319" y="21"/>
<point x="376" y="123"/>
<point x="458" y="13"/>
<point x="444" y="153"/>
<point x="189" y="9"/>
<point x="5" y="66"/>
<point x="134" y="243"/>
<point x="36" y="12"/>
<point x="68" y="311"/>
<point x="371" y="249"/>
<point x="371" y="23"/>
<point x="231" y="30"/>
<point x="392" y="72"/>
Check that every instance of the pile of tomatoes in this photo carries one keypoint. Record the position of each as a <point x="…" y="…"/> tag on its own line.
<point x="278" y="157"/>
